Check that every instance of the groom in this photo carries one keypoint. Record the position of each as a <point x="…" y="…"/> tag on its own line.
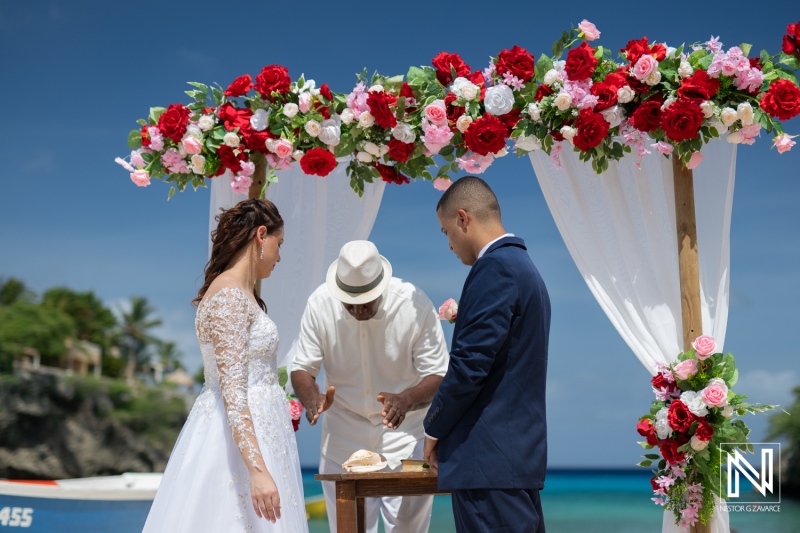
<point x="486" y="432"/>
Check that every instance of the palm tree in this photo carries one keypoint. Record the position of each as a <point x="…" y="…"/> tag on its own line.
<point x="135" y="338"/>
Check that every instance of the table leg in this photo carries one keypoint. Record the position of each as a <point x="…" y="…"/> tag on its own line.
<point x="362" y="526"/>
<point x="347" y="507"/>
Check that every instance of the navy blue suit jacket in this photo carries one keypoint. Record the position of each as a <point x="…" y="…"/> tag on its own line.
<point x="489" y="412"/>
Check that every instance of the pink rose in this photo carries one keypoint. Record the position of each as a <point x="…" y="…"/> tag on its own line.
<point x="782" y="142"/>
<point x="686" y="369"/>
<point x="589" y="30"/>
<point x="138" y="160"/>
<point x="295" y="409"/>
<point x="448" y="310"/>
<point x="696" y="159"/>
<point x="436" y="112"/>
<point x="248" y="167"/>
<point x="304" y="102"/>
<point x="645" y="66"/>
<point x="278" y="163"/>
<point x="192" y="145"/>
<point x="241" y="184"/>
<point x="716" y="393"/>
<point x="141" y="178"/>
<point x="283" y="148"/>
<point x="704" y="346"/>
<point x="442" y="184"/>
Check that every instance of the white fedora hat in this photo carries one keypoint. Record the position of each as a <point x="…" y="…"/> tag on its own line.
<point x="360" y="275"/>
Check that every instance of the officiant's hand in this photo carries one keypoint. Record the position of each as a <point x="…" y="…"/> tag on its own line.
<point x="431" y="454"/>
<point x="395" y="407"/>
<point x="324" y="402"/>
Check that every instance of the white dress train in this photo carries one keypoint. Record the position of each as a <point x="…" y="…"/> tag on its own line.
<point x="206" y="485"/>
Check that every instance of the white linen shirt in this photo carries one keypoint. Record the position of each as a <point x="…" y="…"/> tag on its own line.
<point x="394" y="350"/>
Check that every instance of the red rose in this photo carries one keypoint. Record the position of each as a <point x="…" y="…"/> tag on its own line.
<point x="442" y="63"/>
<point x="400" y="151"/>
<point x="318" y="161"/>
<point x="635" y="48"/>
<point x="653" y="484"/>
<point x="647" y="116"/>
<point x="321" y="108"/>
<point x="639" y="87"/>
<point x="172" y="123"/>
<point x="256" y="141"/>
<point x="379" y="103"/>
<point x="682" y="120"/>
<point x="453" y="111"/>
<point x="296" y="424"/>
<point x="660" y="382"/>
<point x="616" y="80"/>
<point x="390" y="174"/>
<point x="794" y="30"/>
<point x="229" y="159"/>
<point x="478" y="79"/>
<point x="680" y="418"/>
<point x="781" y="101"/>
<point x="240" y="86"/>
<point x="556" y="135"/>
<point x="698" y="86"/>
<point x="486" y="135"/>
<point x="669" y="451"/>
<point x="325" y="91"/>
<point x="789" y="47"/>
<point x="510" y="119"/>
<point x="145" y="136"/>
<point x="704" y="430"/>
<point x="273" y="78"/>
<point x="233" y="117"/>
<point x="517" y="62"/>
<point x="606" y="95"/>
<point x="659" y="51"/>
<point x="646" y="430"/>
<point x="580" y="62"/>
<point x="592" y="129"/>
<point x="755" y="62"/>
<point x="542" y="91"/>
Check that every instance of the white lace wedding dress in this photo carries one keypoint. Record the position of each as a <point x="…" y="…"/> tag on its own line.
<point x="206" y="486"/>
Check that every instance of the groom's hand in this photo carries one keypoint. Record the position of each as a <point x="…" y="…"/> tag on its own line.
<point x="431" y="454"/>
<point x="395" y="407"/>
<point x="323" y="403"/>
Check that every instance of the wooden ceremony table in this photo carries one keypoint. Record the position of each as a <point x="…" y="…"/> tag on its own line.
<point x="351" y="489"/>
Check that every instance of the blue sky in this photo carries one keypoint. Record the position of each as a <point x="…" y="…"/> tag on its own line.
<point x="77" y="75"/>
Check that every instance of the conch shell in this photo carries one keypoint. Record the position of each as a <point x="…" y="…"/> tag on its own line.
<point x="364" y="461"/>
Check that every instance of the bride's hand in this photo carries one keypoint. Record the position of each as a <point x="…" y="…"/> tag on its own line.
<point x="264" y="494"/>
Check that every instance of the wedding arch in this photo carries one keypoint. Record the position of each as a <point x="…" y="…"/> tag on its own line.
<point x="614" y="146"/>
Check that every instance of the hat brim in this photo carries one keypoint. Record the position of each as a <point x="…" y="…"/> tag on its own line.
<point x="358" y="298"/>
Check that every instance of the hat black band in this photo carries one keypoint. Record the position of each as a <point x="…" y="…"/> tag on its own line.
<point x="362" y="289"/>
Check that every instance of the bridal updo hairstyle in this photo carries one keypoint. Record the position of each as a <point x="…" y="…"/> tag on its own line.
<point x="236" y="227"/>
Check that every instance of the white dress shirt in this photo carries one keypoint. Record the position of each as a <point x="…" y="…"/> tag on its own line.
<point x="394" y="350"/>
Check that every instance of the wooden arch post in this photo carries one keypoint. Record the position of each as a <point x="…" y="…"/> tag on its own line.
<point x="259" y="179"/>
<point x="686" y="222"/>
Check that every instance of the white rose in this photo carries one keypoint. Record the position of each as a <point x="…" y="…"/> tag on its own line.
<point x="717" y="124"/>
<point x="668" y="102"/>
<point x="708" y="109"/>
<point x="563" y="101"/>
<point x="463" y="123"/>
<point x="735" y="137"/>
<point x="469" y="92"/>
<point x="384" y="149"/>
<point x="290" y="109"/>
<point x="372" y="148"/>
<point x="364" y="157"/>
<point x="663" y="431"/>
<point x="654" y="78"/>
<point x="330" y="134"/>
<point x="671" y="51"/>
<point x="625" y="94"/>
<point x="699" y="445"/>
<point x="534" y="112"/>
<point x="727" y="412"/>
<point x="198" y="163"/>
<point x="694" y="401"/>
<point x="270" y="144"/>
<point x="551" y="77"/>
<point x="260" y="120"/>
<point x="568" y="132"/>
<point x="529" y="144"/>
<point x="194" y="131"/>
<point x="231" y="139"/>
<point x="499" y="100"/>
<point x="313" y="128"/>
<point x="366" y="120"/>
<point x="560" y="64"/>
<point x="685" y="70"/>
<point x="182" y="150"/>
<point x="297" y="155"/>
<point x="613" y="115"/>
<point x="206" y="122"/>
<point x="458" y="84"/>
<point x="403" y="133"/>
<point x="377" y="88"/>
<point x="728" y="116"/>
<point x="503" y="152"/>
<point x="347" y="116"/>
<point x="745" y="113"/>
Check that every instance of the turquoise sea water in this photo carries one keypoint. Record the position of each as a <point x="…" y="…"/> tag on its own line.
<point x="602" y="501"/>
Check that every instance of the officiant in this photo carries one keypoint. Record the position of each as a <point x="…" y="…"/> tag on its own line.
<point x="383" y="351"/>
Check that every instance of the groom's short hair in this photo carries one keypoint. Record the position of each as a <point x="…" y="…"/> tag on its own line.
<point x="474" y="196"/>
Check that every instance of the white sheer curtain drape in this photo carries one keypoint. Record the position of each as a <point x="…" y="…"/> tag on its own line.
<point x="320" y="215"/>
<point x="621" y="232"/>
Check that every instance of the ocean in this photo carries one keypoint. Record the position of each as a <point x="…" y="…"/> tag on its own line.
<point x="602" y="501"/>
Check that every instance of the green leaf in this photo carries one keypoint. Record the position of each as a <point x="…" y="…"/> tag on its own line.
<point x="171" y="193"/>
<point x="791" y="61"/>
<point x="644" y="463"/>
<point x="134" y="139"/>
<point x="543" y="65"/>
<point x="155" y="113"/>
<point x="764" y="56"/>
<point x="203" y="87"/>
<point x="283" y="377"/>
<point x="787" y="74"/>
<point x="653" y="456"/>
<point x="646" y="446"/>
<point x="746" y="47"/>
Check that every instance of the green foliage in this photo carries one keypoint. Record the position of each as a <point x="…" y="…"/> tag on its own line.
<point x="156" y="413"/>
<point x="28" y="325"/>
<point x="13" y="290"/>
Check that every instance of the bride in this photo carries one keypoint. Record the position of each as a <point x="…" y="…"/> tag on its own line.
<point x="235" y="465"/>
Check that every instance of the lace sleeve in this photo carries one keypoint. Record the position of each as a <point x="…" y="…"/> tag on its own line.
<point x="228" y="319"/>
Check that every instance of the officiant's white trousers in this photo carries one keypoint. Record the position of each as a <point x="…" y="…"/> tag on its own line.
<point x="409" y="514"/>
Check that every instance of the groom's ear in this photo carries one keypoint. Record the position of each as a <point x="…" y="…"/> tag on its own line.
<point x="463" y="219"/>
